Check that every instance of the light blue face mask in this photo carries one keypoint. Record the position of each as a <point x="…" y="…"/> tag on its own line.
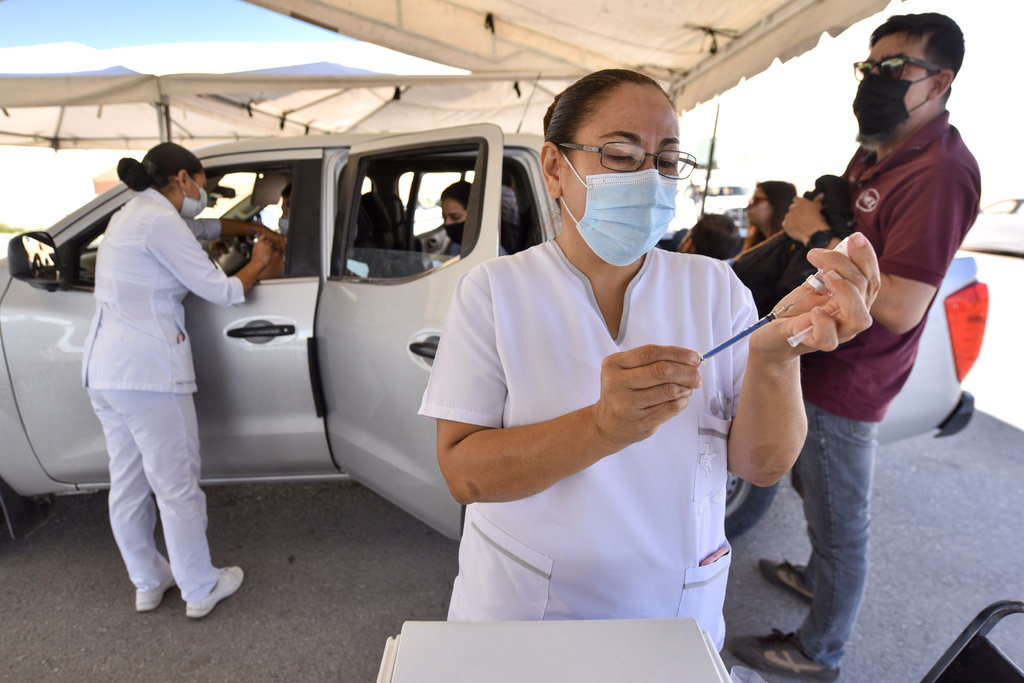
<point x="627" y="213"/>
<point x="190" y="208"/>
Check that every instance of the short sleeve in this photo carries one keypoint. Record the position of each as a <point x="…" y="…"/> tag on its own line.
<point x="744" y="314"/>
<point x="467" y="382"/>
<point x="929" y="218"/>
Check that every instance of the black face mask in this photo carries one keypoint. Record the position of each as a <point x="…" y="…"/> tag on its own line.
<point x="879" y="105"/>
<point x="454" y="231"/>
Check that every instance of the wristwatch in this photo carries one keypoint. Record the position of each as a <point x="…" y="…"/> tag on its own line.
<point x="820" y="239"/>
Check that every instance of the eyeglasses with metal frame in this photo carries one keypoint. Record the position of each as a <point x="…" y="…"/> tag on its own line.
<point x="892" y="67"/>
<point x="625" y="156"/>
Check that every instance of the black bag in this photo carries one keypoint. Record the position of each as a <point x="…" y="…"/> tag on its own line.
<point x="777" y="266"/>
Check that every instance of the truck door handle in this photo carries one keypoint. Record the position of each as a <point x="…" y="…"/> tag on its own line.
<point x="262" y="331"/>
<point x="425" y="349"/>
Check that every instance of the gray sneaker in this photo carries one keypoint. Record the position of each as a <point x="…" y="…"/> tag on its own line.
<point x="229" y="580"/>
<point x="780" y="653"/>
<point x="788" y="576"/>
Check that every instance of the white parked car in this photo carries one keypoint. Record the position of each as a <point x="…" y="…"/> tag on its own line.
<point x="318" y="375"/>
<point x="999" y="228"/>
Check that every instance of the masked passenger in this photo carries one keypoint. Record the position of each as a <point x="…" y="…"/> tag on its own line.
<point x="454" y="200"/>
<point x="574" y="417"/>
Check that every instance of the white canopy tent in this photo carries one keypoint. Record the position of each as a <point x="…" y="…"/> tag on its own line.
<point x="516" y="55"/>
<point x="116" y="107"/>
<point x="137" y="111"/>
<point x="698" y="48"/>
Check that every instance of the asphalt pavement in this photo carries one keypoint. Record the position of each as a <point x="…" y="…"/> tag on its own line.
<point x="332" y="570"/>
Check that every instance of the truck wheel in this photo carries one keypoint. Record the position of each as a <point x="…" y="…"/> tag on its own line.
<point x="745" y="504"/>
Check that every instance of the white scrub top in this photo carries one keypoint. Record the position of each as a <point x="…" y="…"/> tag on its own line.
<point x="523" y="343"/>
<point x="148" y="261"/>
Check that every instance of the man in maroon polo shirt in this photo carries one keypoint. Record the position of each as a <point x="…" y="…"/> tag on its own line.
<point x="914" y="190"/>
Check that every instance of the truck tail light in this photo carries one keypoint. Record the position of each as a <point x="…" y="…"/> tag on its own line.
<point x="967" y="312"/>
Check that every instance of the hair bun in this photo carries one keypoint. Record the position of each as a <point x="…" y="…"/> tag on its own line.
<point x="133" y="174"/>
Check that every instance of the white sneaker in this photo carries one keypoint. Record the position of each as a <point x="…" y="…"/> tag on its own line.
<point x="146" y="601"/>
<point x="227" y="583"/>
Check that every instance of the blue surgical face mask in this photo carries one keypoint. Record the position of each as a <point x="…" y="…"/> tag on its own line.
<point x="626" y="214"/>
<point x="282" y="226"/>
<point x="190" y="208"/>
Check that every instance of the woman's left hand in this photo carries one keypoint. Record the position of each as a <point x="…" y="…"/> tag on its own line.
<point x="853" y="282"/>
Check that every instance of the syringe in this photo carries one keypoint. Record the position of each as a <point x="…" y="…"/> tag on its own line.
<point x="759" y="324"/>
<point x="815" y="281"/>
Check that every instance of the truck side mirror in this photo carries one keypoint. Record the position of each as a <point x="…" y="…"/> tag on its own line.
<point x="32" y="258"/>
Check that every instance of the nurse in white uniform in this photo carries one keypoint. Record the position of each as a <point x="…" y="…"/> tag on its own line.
<point x="574" y="417"/>
<point x="138" y="370"/>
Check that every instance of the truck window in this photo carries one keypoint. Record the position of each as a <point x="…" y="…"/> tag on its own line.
<point x="242" y="193"/>
<point x="395" y="230"/>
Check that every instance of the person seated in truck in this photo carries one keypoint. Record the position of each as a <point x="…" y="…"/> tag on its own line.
<point x="455" y="199"/>
<point x="575" y="417"/>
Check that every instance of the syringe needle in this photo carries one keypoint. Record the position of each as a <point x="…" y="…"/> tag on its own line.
<point x="779" y="310"/>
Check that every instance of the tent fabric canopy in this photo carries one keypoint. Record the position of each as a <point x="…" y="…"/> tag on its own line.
<point x="518" y="54"/>
<point x="699" y="48"/>
<point x="135" y="112"/>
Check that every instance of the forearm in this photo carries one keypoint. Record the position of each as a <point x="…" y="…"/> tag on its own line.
<point x="250" y="274"/>
<point x="901" y="303"/>
<point x="770" y="424"/>
<point x="232" y="228"/>
<point x="498" y="465"/>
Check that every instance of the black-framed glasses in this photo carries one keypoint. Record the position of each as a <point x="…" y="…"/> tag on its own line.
<point x="625" y="156"/>
<point x="892" y="67"/>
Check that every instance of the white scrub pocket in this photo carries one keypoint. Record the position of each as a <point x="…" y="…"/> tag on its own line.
<point x="500" y="579"/>
<point x="704" y="594"/>
<point x="710" y="473"/>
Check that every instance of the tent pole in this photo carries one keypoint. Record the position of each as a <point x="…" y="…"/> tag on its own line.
<point x="711" y="160"/>
<point x="55" y="142"/>
<point x="163" y="118"/>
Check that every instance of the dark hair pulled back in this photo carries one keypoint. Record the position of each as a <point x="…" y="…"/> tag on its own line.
<point x="571" y="108"/>
<point x="159" y="164"/>
<point x="459" y="191"/>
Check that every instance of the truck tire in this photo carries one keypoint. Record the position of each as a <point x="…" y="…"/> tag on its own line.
<point x="745" y="504"/>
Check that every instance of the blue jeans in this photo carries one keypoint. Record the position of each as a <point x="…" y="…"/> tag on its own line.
<point x="835" y="469"/>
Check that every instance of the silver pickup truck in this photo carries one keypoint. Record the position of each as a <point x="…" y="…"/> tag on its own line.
<point x="318" y="375"/>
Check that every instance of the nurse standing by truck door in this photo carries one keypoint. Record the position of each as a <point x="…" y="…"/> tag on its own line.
<point x="138" y="370"/>
<point x="574" y="416"/>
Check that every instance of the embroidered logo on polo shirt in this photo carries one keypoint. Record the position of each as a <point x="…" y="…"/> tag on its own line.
<point x="868" y="200"/>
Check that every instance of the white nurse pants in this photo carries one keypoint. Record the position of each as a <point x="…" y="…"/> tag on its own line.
<point x="153" y="442"/>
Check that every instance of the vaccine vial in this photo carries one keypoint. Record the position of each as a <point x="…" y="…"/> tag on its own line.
<point x="814" y="279"/>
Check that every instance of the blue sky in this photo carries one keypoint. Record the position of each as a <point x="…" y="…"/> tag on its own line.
<point x="105" y="24"/>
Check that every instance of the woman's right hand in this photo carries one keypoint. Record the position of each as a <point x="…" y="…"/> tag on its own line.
<point x="262" y="252"/>
<point x="643" y="388"/>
